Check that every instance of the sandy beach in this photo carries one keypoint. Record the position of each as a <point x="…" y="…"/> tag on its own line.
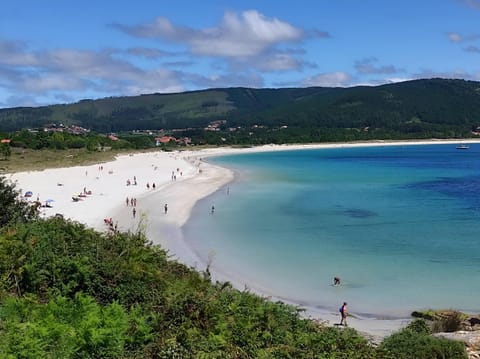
<point x="168" y="184"/>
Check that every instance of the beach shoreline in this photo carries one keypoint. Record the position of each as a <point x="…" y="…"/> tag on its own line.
<point x="181" y="179"/>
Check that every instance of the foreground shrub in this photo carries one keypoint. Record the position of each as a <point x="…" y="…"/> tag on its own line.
<point x="415" y="342"/>
<point x="69" y="292"/>
<point x="62" y="328"/>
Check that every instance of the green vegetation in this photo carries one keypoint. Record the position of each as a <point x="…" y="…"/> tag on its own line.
<point x="442" y="320"/>
<point x="67" y="291"/>
<point x="434" y="108"/>
<point x="38" y="150"/>
<point x="415" y="341"/>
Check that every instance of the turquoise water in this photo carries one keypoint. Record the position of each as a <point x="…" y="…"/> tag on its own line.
<point x="398" y="224"/>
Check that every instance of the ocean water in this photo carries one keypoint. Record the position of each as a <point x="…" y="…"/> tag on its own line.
<point x="400" y="225"/>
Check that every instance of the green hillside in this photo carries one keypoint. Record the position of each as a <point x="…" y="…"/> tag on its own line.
<point x="447" y="107"/>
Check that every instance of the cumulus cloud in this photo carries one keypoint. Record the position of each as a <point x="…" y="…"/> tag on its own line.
<point x="237" y="35"/>
<point x="331" y="79"/>
<point x="367" y="66"/>
<point x="14" y="54"/>
<point x="14" y="101"/>
<point x="58" y="71"/>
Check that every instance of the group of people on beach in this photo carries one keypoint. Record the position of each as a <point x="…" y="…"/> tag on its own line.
<point x="134" y="182"/>
<point x="131" y="201"/>
<point x="153" y="185"/>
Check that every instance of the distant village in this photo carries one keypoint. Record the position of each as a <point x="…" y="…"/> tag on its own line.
<point x="161" y="136"/>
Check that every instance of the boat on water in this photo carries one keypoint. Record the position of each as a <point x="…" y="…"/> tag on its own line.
<point x="463" y="147"/>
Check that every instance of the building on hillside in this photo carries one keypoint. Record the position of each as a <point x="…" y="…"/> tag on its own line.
<point x="164" y="139"/>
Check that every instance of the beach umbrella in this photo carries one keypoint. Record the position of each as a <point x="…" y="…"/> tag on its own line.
<point x="49" y="200"/>
<point x="28" y="194"/>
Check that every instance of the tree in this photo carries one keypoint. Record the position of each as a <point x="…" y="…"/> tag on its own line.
<point x="11" y="209"/>
<point x="5" y="150"/>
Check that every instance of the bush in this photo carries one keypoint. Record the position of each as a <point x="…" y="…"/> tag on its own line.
<point x="450" y="322"/>
<point x="408" y="344"/>
<point x="419" y="326"/>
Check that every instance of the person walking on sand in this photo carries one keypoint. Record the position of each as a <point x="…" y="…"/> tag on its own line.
<point x="166" y="208"/>
<point x="134" y="212"/>
<point x="343" y="313"/>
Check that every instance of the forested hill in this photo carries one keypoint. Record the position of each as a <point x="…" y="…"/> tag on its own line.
<point x="434" y="104"/>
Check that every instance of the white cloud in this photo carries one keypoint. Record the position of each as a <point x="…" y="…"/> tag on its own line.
<point x="226" y="80"/>
<point x="40" y="83"/>
<point x="393" y="80"/>
<point x="277" y="62"/>
<point x="457" y="38"/>
<point x="61" y="71"/>
<point x="454" y="37"/>
<point x="147" y="53"/>
<point x="367" y="66"/>
<point x="332" y="79"/>
<point x="243" y="34"/>
<point x="15" y="54"/>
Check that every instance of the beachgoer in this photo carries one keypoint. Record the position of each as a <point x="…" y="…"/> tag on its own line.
<point x="153" y="185"/>
<point x="336" y="280"/>
<point x="213" y="209"/>
<point x="343" y="313"/>
<point x="127" y="201"/>
<point x="166" y="208"/>
<point x="134" y="212"/>
<point x="148" y="185"/>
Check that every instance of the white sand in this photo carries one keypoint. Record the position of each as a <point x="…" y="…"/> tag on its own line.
<point x="195" y="179"/>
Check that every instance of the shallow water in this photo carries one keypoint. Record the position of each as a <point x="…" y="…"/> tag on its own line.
<point x="398" y="224"/>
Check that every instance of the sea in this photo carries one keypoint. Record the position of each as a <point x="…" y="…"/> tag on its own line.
<point x="399" y="225"/>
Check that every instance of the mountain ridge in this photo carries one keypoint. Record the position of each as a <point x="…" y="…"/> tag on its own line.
<point x="430" y="103"/>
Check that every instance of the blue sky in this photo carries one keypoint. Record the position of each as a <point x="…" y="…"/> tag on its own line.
<point x="60" y="51"/>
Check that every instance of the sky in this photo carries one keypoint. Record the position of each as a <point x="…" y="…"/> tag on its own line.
<point x="61" y="51"/>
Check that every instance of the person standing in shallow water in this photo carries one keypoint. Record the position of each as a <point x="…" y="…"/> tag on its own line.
<point x="343" y="313"/>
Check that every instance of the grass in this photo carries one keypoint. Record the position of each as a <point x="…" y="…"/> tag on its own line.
<point x="32" y="160"/>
